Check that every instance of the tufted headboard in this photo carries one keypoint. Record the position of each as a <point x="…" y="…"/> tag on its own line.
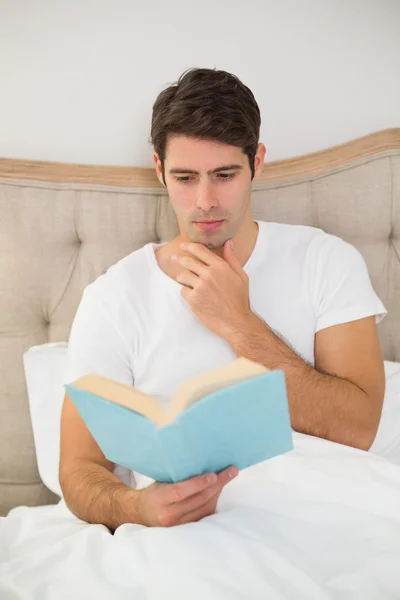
<point x="63" y="225"/>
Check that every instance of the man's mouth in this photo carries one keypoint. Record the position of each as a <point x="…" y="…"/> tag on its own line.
<point x="209" y="224"/>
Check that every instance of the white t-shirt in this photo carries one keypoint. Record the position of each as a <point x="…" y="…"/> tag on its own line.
<point x="132" y="324"/>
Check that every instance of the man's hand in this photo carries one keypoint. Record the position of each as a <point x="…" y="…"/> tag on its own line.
<point x="168" y="504"/>
<point x="217" y="289"/>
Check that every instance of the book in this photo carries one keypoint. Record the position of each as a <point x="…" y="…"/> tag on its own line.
<point x="236" y="414"/>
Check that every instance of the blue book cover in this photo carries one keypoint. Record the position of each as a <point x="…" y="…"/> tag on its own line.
<point x="241" y="424"/>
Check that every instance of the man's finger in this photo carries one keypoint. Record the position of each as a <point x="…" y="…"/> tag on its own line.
<point x="178" y="510"/>
<point x="183" y="489"/>
<point x="203" y="253"/>
<point x="199" y="513"/>
<point x="193" y="264"/>
<point x="227" y="475"/>
<point x="193" y="502"/>
<point x="194" y="507"/>
<point x="187" y="278"/>
<point x="197" y="500"/>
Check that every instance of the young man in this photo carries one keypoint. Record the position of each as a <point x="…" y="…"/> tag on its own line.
<point x="290" y="297"/>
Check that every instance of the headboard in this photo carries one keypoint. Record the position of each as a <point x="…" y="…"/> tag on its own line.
<point x="63" y="225"/>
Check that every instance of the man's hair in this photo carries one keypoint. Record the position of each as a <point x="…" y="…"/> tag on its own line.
<point x="207" y="104"/>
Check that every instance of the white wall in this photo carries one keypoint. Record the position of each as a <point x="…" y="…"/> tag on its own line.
<point x="78" y="77"/>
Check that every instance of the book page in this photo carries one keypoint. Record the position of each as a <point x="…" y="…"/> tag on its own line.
<point x="207" y="383"/>
<point x="123" y="395"/>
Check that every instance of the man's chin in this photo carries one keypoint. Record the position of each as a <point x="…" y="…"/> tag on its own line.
<point x="213" y="246"/>
<point x="213" y="240"/>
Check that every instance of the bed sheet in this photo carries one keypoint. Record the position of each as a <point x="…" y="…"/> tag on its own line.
<point x="322" y="521"/>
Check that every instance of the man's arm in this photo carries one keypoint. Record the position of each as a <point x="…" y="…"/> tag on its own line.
<point x="341" y="398"/>
<point x="90" y="489"/>
<point x="94" y="494"/>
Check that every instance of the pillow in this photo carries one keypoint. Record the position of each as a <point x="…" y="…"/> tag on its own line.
<point x="45" y="367"/>
<point x="387" y="439"/>
<point x="45" y="371"/>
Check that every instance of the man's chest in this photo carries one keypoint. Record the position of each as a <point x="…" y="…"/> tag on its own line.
<point x="173" y="345"/>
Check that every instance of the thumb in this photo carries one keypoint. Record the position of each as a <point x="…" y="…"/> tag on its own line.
<point x="230" y="257"/>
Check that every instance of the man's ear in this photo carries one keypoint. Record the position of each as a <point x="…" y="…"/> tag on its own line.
<point x="259" y="159"/>
<point x="159" y="172"/>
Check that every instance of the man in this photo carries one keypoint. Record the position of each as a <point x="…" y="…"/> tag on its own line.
<point x="289" y="297"/>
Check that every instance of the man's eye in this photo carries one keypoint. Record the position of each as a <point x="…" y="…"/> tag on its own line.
<point x="221" y="176"/>
<point x="226" y="175"/>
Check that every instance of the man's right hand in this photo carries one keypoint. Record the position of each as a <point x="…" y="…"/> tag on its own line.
<point x="94" y="494"/>
<point x="168" y="504"/>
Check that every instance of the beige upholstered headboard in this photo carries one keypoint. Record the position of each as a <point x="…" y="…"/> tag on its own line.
<point x="61" y="226"/>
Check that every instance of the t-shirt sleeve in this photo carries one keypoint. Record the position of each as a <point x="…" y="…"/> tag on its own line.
<point x="95" y="343"/>
<point x="344" y="290"/>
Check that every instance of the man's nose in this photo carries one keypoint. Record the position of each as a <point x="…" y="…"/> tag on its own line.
<point x="205" y="198"/>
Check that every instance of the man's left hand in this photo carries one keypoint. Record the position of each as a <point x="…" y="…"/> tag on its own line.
<point x="217" y="289"/>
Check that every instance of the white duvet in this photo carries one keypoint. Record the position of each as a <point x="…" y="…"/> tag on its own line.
<point x="320" y="522"/>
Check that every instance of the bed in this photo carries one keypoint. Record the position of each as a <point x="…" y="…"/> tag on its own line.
<point x="320" y="522"/>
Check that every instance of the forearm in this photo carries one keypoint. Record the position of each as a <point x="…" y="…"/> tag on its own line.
<point x="320" y="404"/>
<point x="96" y="495"/>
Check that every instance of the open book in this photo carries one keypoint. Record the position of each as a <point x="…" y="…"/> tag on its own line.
<point x="236" y="414"/>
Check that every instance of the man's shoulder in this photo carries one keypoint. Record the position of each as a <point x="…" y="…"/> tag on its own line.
<point x="118" y="277"/>
<point x="304" y="245"/>
<point x="290" y="235"/>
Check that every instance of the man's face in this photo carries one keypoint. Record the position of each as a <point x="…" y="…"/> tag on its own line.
<point x="206" y="181"/>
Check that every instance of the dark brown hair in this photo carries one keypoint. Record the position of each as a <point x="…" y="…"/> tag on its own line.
<point x="207" y="104"/>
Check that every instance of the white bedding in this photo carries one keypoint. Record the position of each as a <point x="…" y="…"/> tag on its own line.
<point x="320" y="522"/>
